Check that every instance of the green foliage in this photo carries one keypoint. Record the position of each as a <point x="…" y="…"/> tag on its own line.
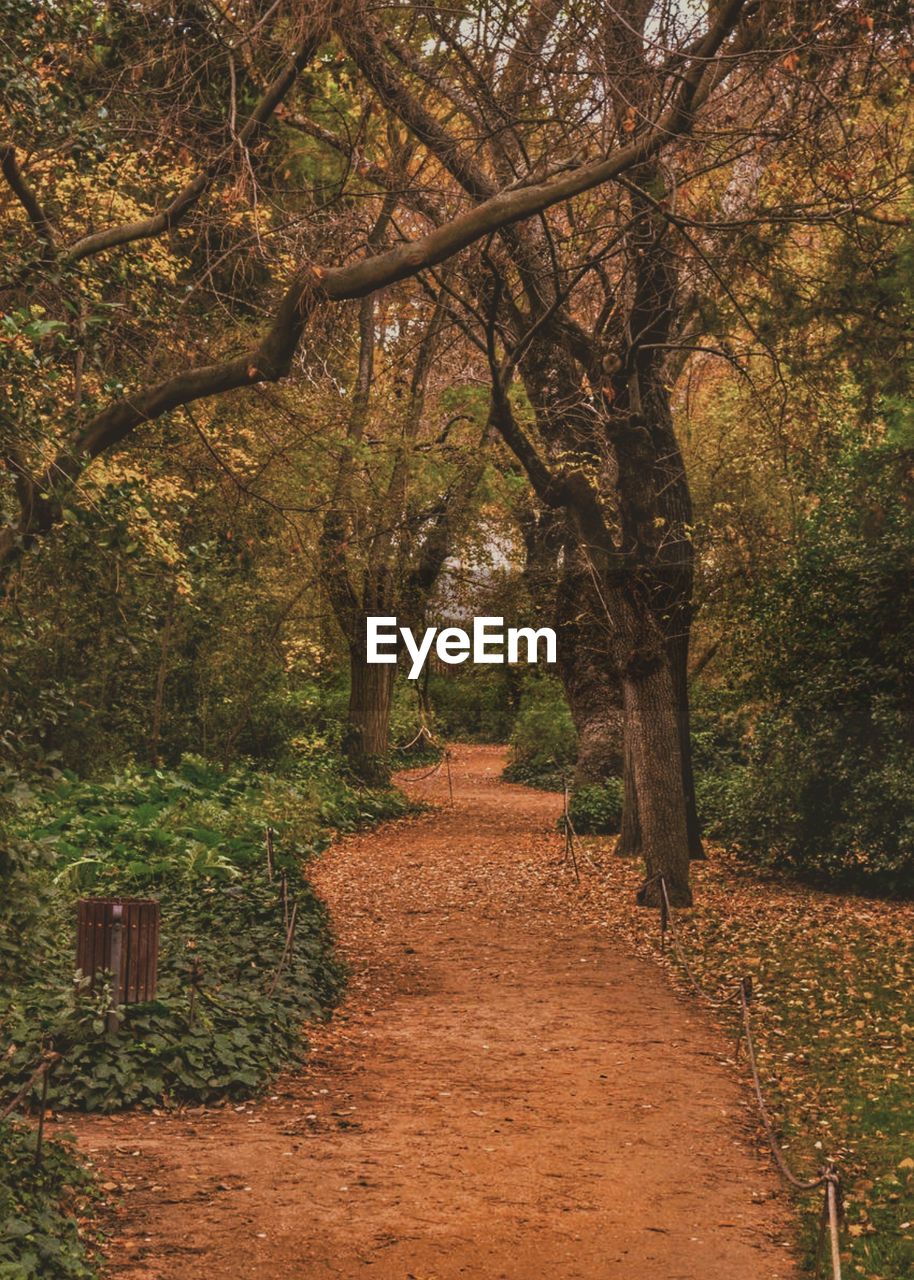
<point x="827" y="657"/>
<point x="194" y="838"/>
<point x="721" y="728"/>
<point x="39" y="1238"/>
<point x="476" y="704"/>
<point x="406" y="718"/>
<point x="597" y="811"/>
<point x="141" y="592"/>
<point x="543" y="742"/>
<point x="23" y="889"/>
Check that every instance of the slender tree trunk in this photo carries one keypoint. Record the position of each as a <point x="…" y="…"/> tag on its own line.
<point x="370" y="693"/>
<point x="158" y="701"/>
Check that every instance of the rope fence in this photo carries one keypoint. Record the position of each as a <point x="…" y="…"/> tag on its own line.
<point x="424" y="732"/>
<point x="829" y="1178"/>
<point x="42" y="1072"/>
<point x="570" y="856"/>
<point x="443" y="762"/>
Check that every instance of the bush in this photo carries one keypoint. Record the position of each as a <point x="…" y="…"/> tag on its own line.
<point x="827" y="783"/>
<point x="24" y="886"/>
<point x="39" y="1238"/>
<point x="597" y="811"/>
<point x="476" y="704"/>
<point x="543" y="743"/>
<point x="193" y="838"/>
<point x="721" y="725"/>
<point x="215" y="1029"/>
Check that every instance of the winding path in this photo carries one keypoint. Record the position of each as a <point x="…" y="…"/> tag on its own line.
<point x="507" y="1094"/>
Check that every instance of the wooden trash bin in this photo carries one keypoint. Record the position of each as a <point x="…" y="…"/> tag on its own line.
<point x="119" y="936"/>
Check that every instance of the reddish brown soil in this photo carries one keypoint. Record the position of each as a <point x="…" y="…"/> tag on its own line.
<point x="506" y="1093"/>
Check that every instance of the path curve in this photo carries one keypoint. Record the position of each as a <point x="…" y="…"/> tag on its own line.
<point x="505" y="1095"/>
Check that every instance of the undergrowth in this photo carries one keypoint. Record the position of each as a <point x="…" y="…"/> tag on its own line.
<point x="194" y="839"/>
<point x="597" y="810"/>
<point x="231" y="1007"/>
<point x="40" y="1209"/>
<point x="834" y="1022"/>
<point x="543" y="743"/>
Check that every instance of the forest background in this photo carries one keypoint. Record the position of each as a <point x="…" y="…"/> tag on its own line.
<point x="595" y="316"/>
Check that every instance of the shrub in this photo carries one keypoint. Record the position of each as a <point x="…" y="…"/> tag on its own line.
<point x="827" y="784"/>
<point x="597" y="810"/>
<point x="193" y="838"/>
<point x="543" y="743"/>
<point x="721" y="725"/>
<point x="476" y="704"/>
<point x="39" y="1238"/>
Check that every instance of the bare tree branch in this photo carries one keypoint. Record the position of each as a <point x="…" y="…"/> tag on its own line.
<point x="190" y="194"/>
<point x="26" y="197"/>
<point x="314" y="286"/>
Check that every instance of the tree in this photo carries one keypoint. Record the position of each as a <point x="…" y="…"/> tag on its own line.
<point x="562" y="366"/>
<point x="534" y="110"/>
<point x="390" y="526"/>
<point x="310" y="289"/>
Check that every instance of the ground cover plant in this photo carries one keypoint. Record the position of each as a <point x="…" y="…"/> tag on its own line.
<point x="229" y="1010"/>
<point x="833" y="1019"/>
<point x="232" y="1003"/>
<point x="41" y="1208"/>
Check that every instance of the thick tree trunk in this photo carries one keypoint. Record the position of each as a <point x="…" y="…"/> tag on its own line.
<point x="599" y="729"/>
<point x="367" y="730"/>
<point x="629" y="843"/>
<point x="650" y="710"/>
<point x="589" y="677"/>
<point x="679" y="664"/>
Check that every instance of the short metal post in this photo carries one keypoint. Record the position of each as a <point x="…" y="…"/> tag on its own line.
<point x="447" y="765"/>
<point x="566" y="827"/>
<point x="112" y="1020"/>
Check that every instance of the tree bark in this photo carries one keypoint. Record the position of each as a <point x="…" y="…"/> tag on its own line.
<point x="650" y="710"/>
<point x="589" y="677"/>
<point x="679" y="661"/>
<point x="370" y="694"/>
<point x="629" y="843"/>
<point x="654" y="490"/>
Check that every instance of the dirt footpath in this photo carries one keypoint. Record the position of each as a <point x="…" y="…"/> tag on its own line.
<point x="505" y="1095"/>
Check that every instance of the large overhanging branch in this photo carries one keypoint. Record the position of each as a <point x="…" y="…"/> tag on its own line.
<point x="22" y="190"/>
<point x="177" y="208"/>
<point x="368" y="50"/>
<point x="314" y="285"/>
